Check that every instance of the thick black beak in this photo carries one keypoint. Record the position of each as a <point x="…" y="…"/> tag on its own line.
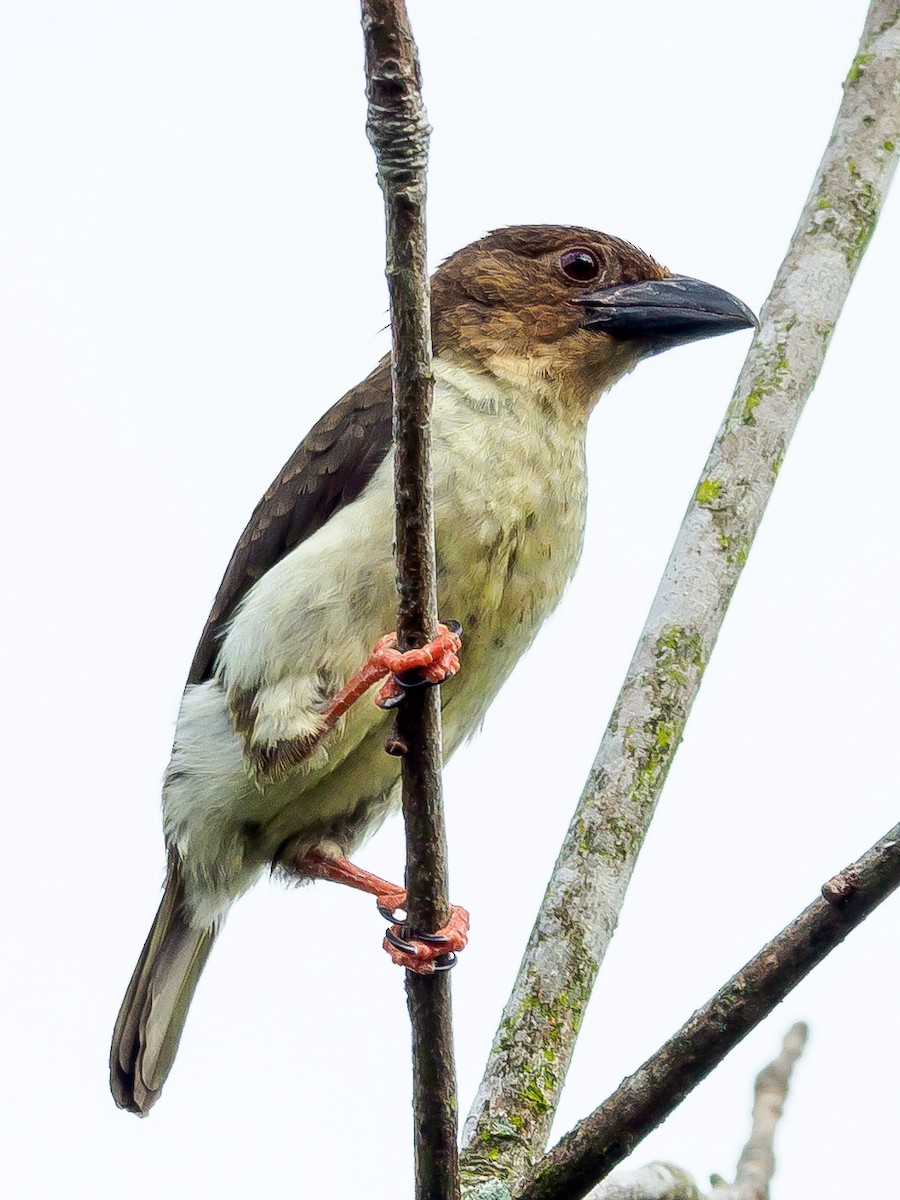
<point x="666" y="312"/>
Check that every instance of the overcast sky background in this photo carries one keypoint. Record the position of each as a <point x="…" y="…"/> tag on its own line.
<point x="191" y="271"/>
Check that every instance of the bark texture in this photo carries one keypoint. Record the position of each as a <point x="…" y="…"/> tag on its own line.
<point x="510" y="1121"/>
<point x="598" y="1143"/>
<point x="398" y="130"/>
<point x="663" y="1181"/>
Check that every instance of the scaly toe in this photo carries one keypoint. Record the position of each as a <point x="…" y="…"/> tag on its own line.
<point x="426" y="953"/>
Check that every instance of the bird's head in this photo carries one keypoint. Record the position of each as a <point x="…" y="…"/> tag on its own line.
<point x="568" y="311"/>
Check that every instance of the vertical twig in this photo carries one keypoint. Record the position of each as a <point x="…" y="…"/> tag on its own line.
<point x="398" y="130"/>
<point x="756" y="1166"/>
<point x="512" y="1113"/>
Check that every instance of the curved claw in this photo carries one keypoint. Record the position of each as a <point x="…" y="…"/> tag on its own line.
<point x="390" y="914"/>
<point x="425" y="953"/>
<point x="444" y="962"/>
<point x="408" y="681"/>
<point x="427" y="666"/>
<point x="398" y="943"/>
<point x="432" y="939"/>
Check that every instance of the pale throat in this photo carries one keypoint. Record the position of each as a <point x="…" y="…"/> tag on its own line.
<point x="511" y="380"/>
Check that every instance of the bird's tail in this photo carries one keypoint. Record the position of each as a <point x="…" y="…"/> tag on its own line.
<point x="156" y="1003"/>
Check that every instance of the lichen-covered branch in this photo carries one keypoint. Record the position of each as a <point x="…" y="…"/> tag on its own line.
<point x="756" y="1166"/>
<point x="513" y="1110"/>
<point x="398" y="130"/>
<point x="590" y="1151"/>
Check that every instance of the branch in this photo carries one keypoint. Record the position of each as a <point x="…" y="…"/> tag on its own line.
<point x="756" y="1166"/>
<point x="513" y="1110"/>
<point x="657" y="1181"/>
<point x="663" y="1181"/>
<point x="398" y="130"/>
<point x="591" y="1150"/>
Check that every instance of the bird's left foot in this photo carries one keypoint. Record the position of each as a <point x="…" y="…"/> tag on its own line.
<point x="424" y="953"/>
<point x="429" y="665"/>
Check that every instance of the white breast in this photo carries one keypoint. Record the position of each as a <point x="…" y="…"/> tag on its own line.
<point x="509" y="514"/>
<point x="510" y="491"/>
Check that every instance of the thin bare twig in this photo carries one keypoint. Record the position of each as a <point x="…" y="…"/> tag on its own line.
<point x="756" y="1166"/>
<point x="398" y="130"/>
<point x="513" y="1110"/>
<point x="663" y="1181"/>
<point x="591" y="1150"/>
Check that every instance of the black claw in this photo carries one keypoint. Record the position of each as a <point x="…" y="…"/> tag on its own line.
<point x="433" y="939"/>
<point x="390" y="914"/>
<point x="408" y="680"/>
<point x="398" y="942"/>
<point x="445" y="962"/>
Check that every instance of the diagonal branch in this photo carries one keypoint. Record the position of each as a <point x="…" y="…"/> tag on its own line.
<point x="590" y="1151"/>
<point x="398" y="130"/>
<point x="513" y="1110"/>
<point x="662" y="1181"/>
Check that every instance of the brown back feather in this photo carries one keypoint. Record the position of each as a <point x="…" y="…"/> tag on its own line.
<point x="328" y="470"/>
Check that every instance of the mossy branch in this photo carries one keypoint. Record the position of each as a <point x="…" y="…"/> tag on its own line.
<point x="398" y="130"/>
<point x="598" y="1143"/>
<point x="513" y="1110"/>
<point x="664" y="1181"/>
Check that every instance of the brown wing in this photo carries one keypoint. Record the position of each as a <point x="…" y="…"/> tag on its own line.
<point x="329" y="468"/>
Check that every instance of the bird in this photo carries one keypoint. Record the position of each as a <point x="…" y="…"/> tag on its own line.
<point x="279" y="759"/>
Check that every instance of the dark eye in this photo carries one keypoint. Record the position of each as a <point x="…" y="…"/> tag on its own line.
<point x="580" y="265"/>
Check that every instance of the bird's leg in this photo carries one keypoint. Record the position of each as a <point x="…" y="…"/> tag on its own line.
<point x="430" y="664"/>
<point x="423" y="953"/>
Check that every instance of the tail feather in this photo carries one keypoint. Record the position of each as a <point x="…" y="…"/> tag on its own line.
<point x="156" y="1003"/>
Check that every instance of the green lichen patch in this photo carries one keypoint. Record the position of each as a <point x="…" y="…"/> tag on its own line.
<point x="857" y="67"/>
<point x="535" y="1041"/>
<point x="489" y="1189"/>
<point x="862" y="218"/>
<point x="769" y="375"/>
<point x="750" y="406"/>
<point x="708" y="490"/>
<point x="678" y="657"/>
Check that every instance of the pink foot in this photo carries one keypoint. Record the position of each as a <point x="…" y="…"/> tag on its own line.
<point x="426" y="953"/>
<point x="434" y="662"/>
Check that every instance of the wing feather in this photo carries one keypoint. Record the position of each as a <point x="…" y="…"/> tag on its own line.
<point x="328" y="470"/>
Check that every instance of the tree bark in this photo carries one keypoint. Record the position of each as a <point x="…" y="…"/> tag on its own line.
<point x="398" y="130"/>
<point x="511" y="1117"/>
<point x="598" y="1143"/>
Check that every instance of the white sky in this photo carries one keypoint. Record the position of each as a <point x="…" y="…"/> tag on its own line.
<point x="191" y="266"/>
